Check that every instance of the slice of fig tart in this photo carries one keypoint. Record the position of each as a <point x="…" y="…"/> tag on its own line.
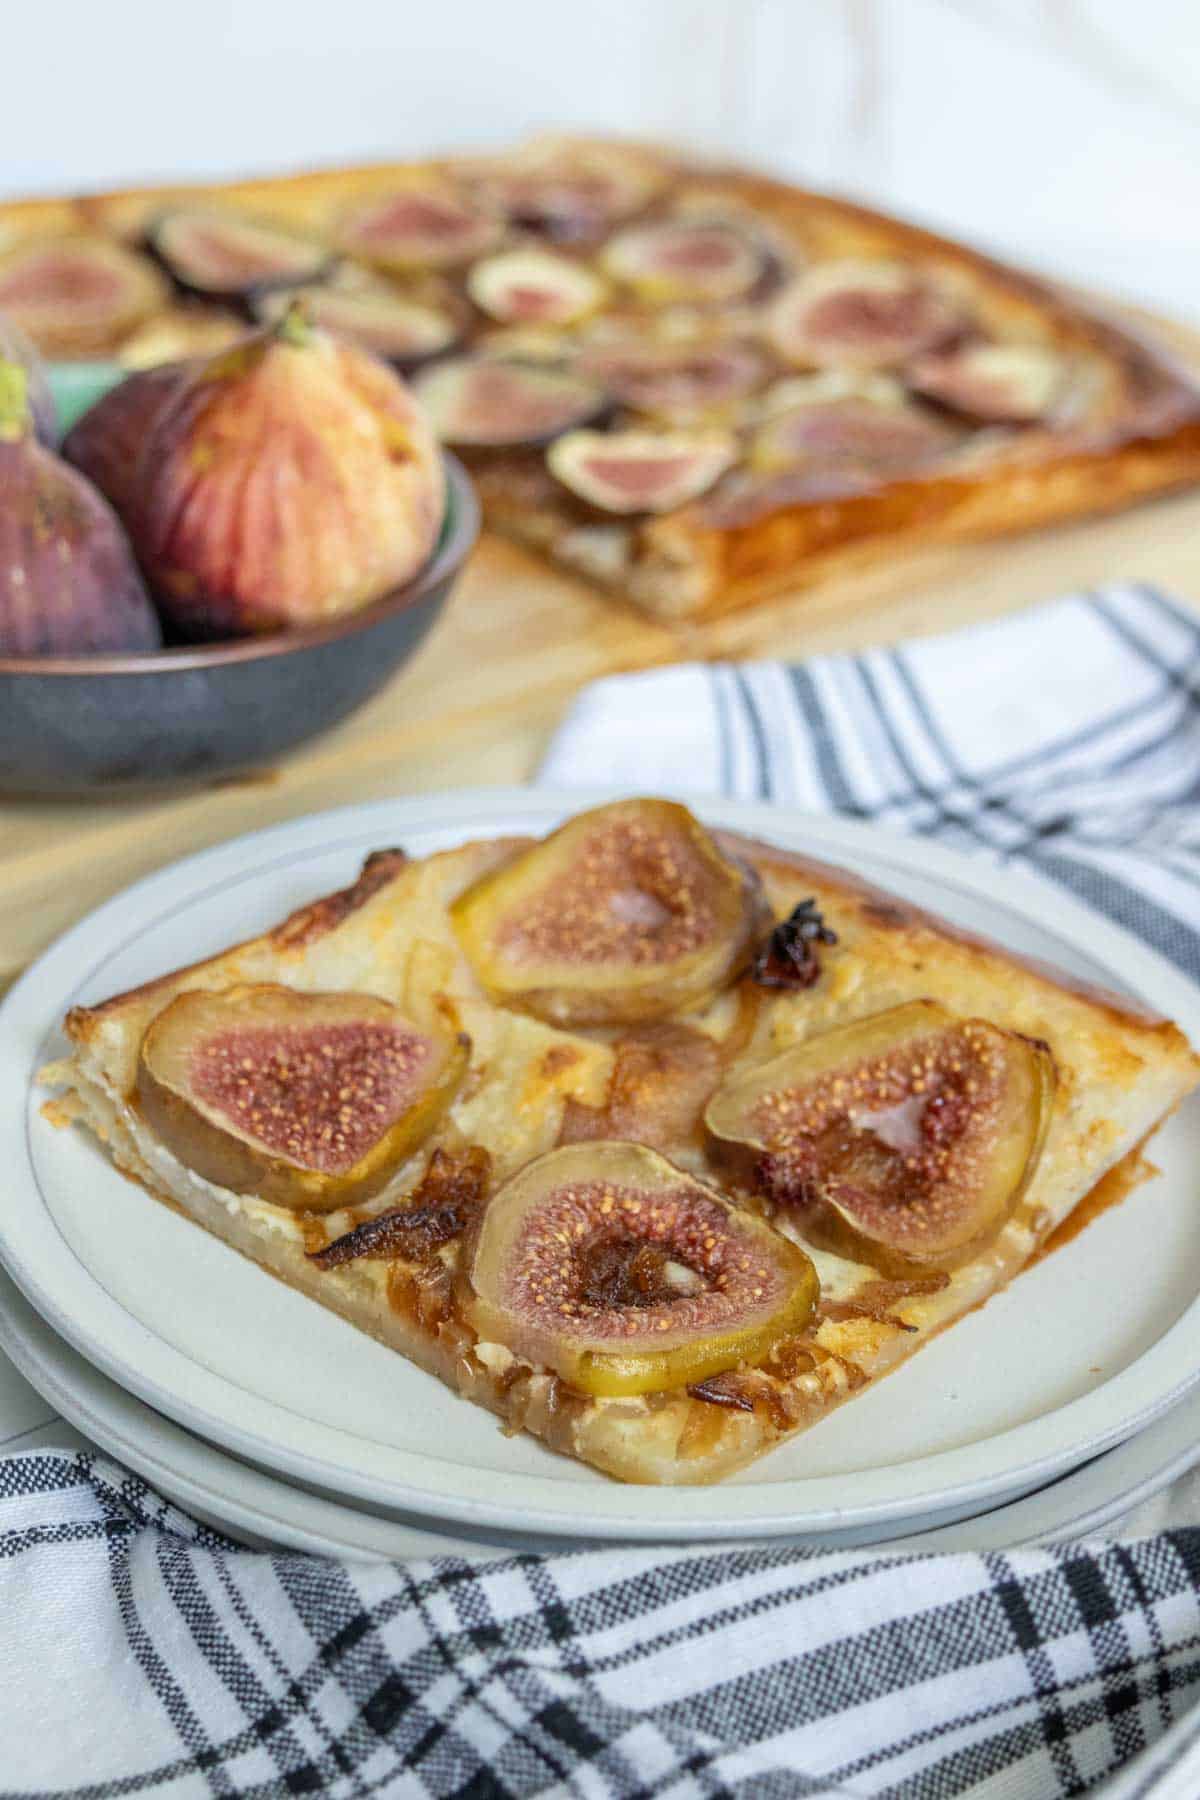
<point x="657" y="1142"/>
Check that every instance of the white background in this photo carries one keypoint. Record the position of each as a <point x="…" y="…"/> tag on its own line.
<point x="1064" y="131"/>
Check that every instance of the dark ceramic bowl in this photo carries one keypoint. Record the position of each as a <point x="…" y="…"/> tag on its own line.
<point x="72" y="724"/>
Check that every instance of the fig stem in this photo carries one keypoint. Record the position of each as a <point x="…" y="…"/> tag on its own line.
<point x="14" y="402"/>
<point x="293" y="325"/>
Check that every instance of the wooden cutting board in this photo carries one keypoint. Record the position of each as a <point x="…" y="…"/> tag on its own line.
<point x="479" y="701"/>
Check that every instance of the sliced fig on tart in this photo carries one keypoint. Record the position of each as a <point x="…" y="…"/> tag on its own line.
<point x="308" y="1100"/>
<point x="485" y="402"/>
<point x="639" y="471"/>
<point x="997" y="384"/>
<point x="863" y="434"/>
<point x="534" y="287"/>
<point x="677" y="259"/>
<point x="610" y="1266"/>
<point x="402" y="331"/>
<point x="904" y="1139"/>
<point x="421" y="227"/>
<point x="867" y="315"/>
<point x="681" y="383"/>
<point x="567" y="192"/>
<point x="221" y="255"/>
<point x="78" y="295"/>
<point x="626" y="913"/>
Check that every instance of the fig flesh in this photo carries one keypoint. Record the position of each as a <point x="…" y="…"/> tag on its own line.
<point x="683" y="384"/>
<point x="866" y="315"/>
<point x="68" y="582"/>
<point x="106" y="441"/>
<point x="612" y="1267"/>
<point x="627" y="913"/>
<point x="534" y="287"/>
<point x="483" y="402"/>
<point x="640" y="471"/>
<point x="998" y="384"/>
<point x="286" y="481"/>
<point x="683" y="260"/>
<point x="221" y="255"/>
<point x="906" y="1138"/>
<point x="15" y="347"/>
<point x="402" y="331"/>
<point x="308" y="1100"/>
<point x="75" y="296"/>
<point x="431" y="227"/>
<point x="858" y="434"/>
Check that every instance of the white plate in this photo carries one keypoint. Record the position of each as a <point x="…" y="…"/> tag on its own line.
<point x="1077" y="1355"/>
<point x="267" y="1511"/>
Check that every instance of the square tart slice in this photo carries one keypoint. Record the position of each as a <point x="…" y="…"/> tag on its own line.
<point x="666" y="1205"/>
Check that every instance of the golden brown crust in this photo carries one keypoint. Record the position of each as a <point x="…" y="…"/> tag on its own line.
<point x="304" y="926"/>
<point x="881" y="910"/>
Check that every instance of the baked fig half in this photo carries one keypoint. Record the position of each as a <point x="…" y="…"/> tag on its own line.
<point x="860" y="433"/>
<point x="680" y="383"/>
<point x="609" y="1265"/>
<point x="626" y="913"/>
<point x="566" y="191"/>
<point x="640" y="471"/>
<point x="308" y="1100"/>
<point x="534" y="287"/>
<point x="676" y="259"/>
<point x="426" y="227"/>
<point x="868" y="315"/>
<point x="906" y="1138"/>
<point x="75" y="296"/>
<point x="402" y="331"/>
<point x="998" y="384"/>
<point x="485" y="402"/>
<point x="223" y="256"/>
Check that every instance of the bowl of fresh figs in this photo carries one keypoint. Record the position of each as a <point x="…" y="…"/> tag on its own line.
<point x="223" y="557"/>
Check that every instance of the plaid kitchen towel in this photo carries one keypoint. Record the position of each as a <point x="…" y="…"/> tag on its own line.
<point x="141" y="1653"/>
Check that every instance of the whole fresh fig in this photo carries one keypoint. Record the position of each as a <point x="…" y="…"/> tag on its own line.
<point x="16" y="347"/>
<point x="68" y="581"/>
<point x="284" y="482"/>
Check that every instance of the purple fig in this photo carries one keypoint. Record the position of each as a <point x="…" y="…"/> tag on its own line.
<point x="106" y="441"/>
<point x="68" y="581"/>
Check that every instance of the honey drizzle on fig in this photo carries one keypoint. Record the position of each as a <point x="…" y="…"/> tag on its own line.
<point x="822" y="1152"/>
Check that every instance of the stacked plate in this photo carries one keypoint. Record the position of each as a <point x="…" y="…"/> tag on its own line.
<point x="1056" y="1407"/>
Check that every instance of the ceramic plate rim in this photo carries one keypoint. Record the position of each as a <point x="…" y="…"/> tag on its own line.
<point x="196" y="1474"/>
<point x="63" y="1291"/>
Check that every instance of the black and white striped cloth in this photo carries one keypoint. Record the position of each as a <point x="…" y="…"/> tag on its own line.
<point x="141" y="1653"/>
<point x="1066" y="739"/>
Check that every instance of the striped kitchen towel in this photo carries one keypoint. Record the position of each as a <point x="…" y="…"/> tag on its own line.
<point x="1065" y="738"/>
